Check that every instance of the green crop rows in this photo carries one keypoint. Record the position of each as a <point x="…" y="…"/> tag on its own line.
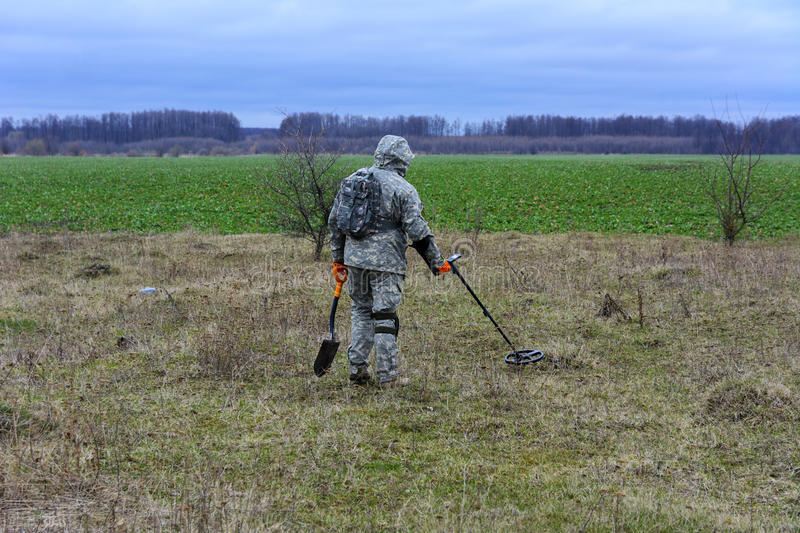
<point x="612" y="194"/>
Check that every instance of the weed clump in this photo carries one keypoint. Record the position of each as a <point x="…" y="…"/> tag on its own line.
<point x="27" y="256"/>
<point x="96" y="270"/>
<point x="14" y="421"/>
<point x="6" y="420"/>
<point x="610" y="308"/>
<point x="228" y="353"/>
<point x="752" y="403"/>
<point x="17" y="324"/>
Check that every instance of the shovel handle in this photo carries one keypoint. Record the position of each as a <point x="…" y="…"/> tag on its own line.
<point x="336" y="294"/>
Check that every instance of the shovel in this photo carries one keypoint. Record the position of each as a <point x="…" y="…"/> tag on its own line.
<point x="329" y="346"/>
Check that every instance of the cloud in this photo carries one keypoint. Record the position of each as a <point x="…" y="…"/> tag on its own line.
<point x="473" y="59"/>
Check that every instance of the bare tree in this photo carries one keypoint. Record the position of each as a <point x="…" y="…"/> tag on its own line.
<point x="304" y="184"/>
<point x="740" y="153"/>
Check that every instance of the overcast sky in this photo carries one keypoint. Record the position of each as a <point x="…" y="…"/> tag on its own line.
<point x="468" y="59"/>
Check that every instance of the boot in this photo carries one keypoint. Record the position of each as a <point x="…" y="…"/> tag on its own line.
<point x="361" y="377"/>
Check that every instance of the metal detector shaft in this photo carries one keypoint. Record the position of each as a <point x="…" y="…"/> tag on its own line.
<point x="483" y="307"/>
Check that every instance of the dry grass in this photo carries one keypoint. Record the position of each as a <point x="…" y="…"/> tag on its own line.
<point x="195" y="408"/>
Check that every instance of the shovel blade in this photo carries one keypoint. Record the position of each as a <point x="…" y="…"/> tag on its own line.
<point x="325" y="356"/>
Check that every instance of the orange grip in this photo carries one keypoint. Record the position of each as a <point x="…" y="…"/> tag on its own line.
<point x="338" y="290"/>
<point x="339" y="272"/>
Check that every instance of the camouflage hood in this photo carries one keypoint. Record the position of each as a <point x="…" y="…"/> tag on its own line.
<point x="393" y="153"/>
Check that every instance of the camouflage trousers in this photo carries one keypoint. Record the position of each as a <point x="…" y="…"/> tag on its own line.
<point x="373" y="315"/>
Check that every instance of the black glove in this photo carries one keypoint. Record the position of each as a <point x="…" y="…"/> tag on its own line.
<point x="430" y="253"/>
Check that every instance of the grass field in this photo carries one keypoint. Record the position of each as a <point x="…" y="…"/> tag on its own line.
<point x="541" y="194"/>
<point x="196" y="408"/>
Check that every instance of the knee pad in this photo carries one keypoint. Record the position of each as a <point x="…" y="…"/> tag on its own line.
<point x="386" y="329"/>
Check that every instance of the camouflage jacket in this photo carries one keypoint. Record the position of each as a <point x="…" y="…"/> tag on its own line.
<point x="385" y="250"/>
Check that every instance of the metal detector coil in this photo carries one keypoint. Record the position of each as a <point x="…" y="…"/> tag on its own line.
<point x="516" y="357"/>
<point x="523" y="357"/>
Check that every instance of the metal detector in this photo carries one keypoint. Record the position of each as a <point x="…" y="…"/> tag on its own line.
<point x="516" y="357"/>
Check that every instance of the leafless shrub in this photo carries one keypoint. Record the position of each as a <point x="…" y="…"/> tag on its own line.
<point x="733" y="193"/>
<point x="304" y="185"/>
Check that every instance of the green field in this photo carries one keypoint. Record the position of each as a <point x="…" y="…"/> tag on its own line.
<point x="196" y="408"/>
<point x="536" y="194"/>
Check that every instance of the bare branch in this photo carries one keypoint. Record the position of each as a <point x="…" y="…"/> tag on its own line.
<point x="742" y="146"/>
<point x="304" y="184"/>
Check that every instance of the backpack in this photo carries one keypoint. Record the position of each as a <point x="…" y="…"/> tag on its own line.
<point x="359" y="204"/>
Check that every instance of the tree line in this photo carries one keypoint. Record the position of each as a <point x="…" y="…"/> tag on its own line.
<point x="120" y="128"/>
<point x="355" y="126"/>
<point x="781" y="135"/>
<point x="177" y="132"/>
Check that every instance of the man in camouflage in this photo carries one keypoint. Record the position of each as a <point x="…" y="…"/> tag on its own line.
<point x="376" y="263"/>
